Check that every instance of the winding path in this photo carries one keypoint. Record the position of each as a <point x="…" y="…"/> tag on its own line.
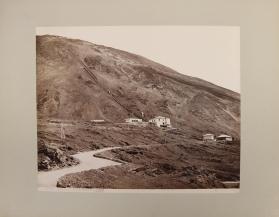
<point x="87" y="161"/>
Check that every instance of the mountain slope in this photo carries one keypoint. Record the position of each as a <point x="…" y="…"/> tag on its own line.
<point x="81" y="80"/>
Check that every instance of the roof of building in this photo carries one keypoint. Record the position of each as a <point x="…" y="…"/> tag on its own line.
<point x="224" y="136"/>
<point x="158" y="117"/>
<point x="208" y="134"/>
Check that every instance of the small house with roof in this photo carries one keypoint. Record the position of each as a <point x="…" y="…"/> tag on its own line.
<point x="225" y="138"/>
<point x="208" y="137"/>
<point x="133" y="120"/>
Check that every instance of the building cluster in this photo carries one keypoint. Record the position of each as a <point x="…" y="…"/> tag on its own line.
<point x="158" y="121"/>
<point x="164" y="122"/>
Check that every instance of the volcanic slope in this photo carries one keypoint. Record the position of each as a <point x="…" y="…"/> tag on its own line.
<point x="79" y="80"/>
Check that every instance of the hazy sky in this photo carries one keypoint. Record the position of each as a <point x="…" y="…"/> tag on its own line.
<point x="211" y="53"/>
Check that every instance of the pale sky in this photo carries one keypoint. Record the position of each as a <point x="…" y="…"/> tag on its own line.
<point x="211" y="53"/>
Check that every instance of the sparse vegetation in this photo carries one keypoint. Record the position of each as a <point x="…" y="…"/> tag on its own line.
<point x="78" y="81"/>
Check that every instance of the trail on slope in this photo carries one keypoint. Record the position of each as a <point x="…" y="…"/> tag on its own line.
<point x="87" y="161"/>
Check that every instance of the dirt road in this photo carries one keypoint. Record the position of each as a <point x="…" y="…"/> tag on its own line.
<point x="87" y="161"/>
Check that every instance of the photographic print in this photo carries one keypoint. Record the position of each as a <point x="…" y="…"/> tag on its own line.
<point x="138" y="107"/>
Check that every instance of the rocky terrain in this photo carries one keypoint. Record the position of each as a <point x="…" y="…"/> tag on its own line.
<point x="78" y="81"/>
<point x="190" y="164"/>
<point x="151" y="157"/>
<point x="52" y="155"/>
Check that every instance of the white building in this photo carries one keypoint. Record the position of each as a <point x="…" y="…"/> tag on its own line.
<point x="98" y="121"/>
<point x="133" y="120"/>
<point x="208" y="137"/>
<point x="225" y="138"/>
<point x="160" y="121"/>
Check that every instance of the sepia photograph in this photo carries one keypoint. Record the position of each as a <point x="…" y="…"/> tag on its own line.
<point x="138" y="107"/>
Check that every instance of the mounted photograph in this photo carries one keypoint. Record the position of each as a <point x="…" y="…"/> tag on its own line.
<point x="138" y="107"/>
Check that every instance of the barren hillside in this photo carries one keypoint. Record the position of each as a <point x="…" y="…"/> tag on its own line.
<point x="78" y="80"/>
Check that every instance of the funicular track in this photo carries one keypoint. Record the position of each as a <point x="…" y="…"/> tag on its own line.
<point x="94" y="78"/>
